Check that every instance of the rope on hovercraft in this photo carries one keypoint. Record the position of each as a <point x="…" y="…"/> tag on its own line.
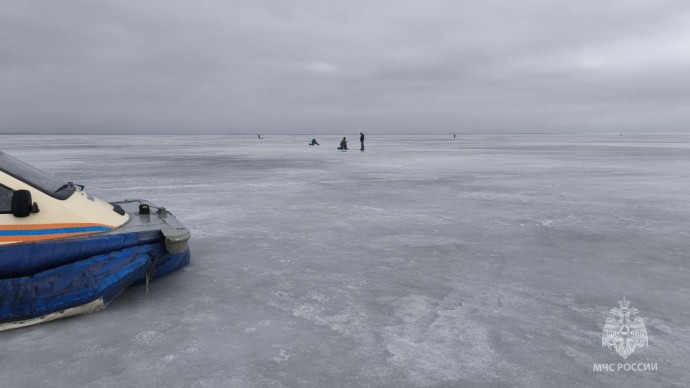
<point x="151" y="272"/>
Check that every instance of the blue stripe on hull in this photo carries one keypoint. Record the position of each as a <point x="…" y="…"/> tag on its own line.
<point x="42" y="232"/>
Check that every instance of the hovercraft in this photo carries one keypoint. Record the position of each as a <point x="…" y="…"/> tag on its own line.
<point x="65" y="252"/>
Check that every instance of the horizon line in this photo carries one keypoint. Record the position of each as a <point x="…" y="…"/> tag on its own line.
<point x="333" y="134"/>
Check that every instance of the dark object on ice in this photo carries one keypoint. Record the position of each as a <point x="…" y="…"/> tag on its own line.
<point x="343" y="144"/>
<point x="313" y="142"/>
<point x="361" y="140"/>
<point x="260" y="138"/>
<point x="79" y="252"/>
<point x="453" y="136"/>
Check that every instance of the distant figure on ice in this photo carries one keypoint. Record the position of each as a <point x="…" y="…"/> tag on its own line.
<point x="313" y="142"/>
<point x="343" y="144"/>
<point x="361" y="140"/>
<point x="453" y="136"/>
<point x="260" y="137"/>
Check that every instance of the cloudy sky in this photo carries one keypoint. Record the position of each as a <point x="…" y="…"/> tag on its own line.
<point x="317" y="66"/>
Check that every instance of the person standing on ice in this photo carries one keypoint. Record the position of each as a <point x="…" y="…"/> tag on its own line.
<point x="361" y="140"/>
<point x="343" y="144"/>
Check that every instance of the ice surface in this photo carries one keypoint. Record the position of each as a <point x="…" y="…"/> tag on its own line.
<point x="486" y="260"/>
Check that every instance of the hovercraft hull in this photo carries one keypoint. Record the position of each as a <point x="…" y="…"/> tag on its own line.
<point x="46" y="280"/>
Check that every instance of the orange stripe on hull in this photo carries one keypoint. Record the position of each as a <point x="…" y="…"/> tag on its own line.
<point x="51" y="226"/>
<point x="42" y="237"/>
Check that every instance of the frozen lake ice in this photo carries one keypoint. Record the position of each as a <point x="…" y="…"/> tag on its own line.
<point x="425" y="261"/>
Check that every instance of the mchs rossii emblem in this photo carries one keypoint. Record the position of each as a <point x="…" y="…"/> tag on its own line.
<point x="623" y="332"/>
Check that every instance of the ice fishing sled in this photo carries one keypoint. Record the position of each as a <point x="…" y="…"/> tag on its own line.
<point x="65" y="252"/>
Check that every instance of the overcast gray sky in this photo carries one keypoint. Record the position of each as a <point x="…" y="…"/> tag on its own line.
<point x="318" y="66"/>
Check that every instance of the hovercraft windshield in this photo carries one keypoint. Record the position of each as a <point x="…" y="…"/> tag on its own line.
<point x="41" y="180"/>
